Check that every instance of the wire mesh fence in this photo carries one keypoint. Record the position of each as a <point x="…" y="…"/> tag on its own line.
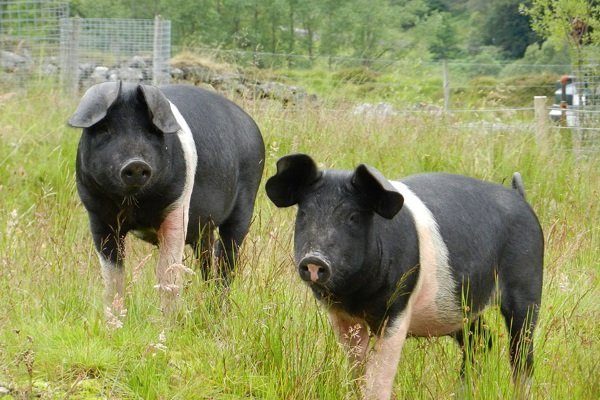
<point x="576" y="109"/>
<point x="95" y="50"/>
<point x="29" y="38"/>
<point x="38" y="39"/>
<point x="586" y="114"/>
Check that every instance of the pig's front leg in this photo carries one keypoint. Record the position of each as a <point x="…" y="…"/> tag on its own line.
<point x="382" y="362"/>
<point x="110" y="249"/>
<point x="353" y="334"/>
<point x="171" y="242"/>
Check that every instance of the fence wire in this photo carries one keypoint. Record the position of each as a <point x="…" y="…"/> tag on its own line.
<point x="403" y="82"/>
<point x="29" y="38"/>
<point x="95" y="50"/>
<point x="585" y="112"/>
<point x="39" y="40"/>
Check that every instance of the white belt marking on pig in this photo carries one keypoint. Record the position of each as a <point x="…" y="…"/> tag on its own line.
<point x="435" y="311"/>
<point x="191" y="158"/>
<point x="173" y="230"/>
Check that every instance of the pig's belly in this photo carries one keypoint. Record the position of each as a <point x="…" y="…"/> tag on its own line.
<point x="425" y="322"/>
<point x="434" y="314"/>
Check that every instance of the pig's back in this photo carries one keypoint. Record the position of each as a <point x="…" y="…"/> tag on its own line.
<point x="476" y="219"/>
<point x="218" y="124"/>
<point x="229" y="146"/>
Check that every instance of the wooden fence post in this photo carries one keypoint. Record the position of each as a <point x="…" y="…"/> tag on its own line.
<point x="541" y="118"/>
<point x="446" y="82"/>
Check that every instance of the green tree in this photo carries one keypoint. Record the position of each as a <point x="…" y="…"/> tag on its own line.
<point x="291" y="28"/>
<point x="308" y="11"/>
<point x="369" y="27"/>
<point x="507" y="27"/>
<point x="100" y="9"/>
<point x="274" y="18"/>
<point x="575" y="22"/>
<point x="441" y="36"/>
<point x="412" y="12"/>
<point x="333" y="17"/>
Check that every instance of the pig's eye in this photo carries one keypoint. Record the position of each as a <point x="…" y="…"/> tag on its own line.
<point x="102" y="136"/>
<point x="354" y="218"/>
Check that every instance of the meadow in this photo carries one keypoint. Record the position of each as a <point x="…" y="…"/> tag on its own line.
<point x="267" y="338"/>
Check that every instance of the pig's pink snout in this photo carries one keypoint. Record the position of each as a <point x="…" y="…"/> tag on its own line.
<point x="314" y="269"/>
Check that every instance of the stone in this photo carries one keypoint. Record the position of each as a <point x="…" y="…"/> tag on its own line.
<point x="137" y="62"/>
<point x="177" y="73"/>
<point x="49" y="70"/>
<point x="375" y="110"/>
<point x="10" y="61"/>
<point x="131" y="74"/>
<point x="100" y="74"/>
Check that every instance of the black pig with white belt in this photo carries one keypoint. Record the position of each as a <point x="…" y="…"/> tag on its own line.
<point x="168" y="164"/>
<point x="412" y="257"/>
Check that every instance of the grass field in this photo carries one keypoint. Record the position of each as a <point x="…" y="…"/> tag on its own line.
<point x="268" y="339"/>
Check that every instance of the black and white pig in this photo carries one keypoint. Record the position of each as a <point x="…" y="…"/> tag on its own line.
<point x="412" y="257"/>
<point x="168" y="164"/>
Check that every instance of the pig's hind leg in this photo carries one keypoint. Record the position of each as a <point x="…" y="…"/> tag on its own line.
<point x="232" y="233"/>
<point x="203" y="250"/>
<point x="478" y="338"/>
<point x="520" y="275"/>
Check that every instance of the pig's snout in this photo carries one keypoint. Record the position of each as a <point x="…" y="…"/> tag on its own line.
<point x="135" y="173"/>
<point x="314" y="269"/>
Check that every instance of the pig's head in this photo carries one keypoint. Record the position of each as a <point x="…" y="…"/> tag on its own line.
<point x="334" y="240"/>
<point x="123" y="147"/>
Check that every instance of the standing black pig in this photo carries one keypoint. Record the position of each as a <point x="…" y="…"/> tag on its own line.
<point x="412" y="257"/>
<point x="168" y="164"/>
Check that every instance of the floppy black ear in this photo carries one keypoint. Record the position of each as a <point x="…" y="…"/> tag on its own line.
<point x="379" y="193"/>
<point x="160" y="109"/>
<point x="294" y="172"/>
<point x="95" y="104"/>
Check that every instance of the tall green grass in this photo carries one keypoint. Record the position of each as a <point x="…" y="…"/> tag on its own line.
<point x="268" y="338"/>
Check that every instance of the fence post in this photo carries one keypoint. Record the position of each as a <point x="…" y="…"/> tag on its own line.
<point x="446" y="85"/>
<point x="539" y="105"/>
<point x="161" y="50"/>
<point x="156" y="61"/>
<point x="71" y="28"/>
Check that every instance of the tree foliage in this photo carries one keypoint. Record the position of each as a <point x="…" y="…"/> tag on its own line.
<point x="442" y="36"/>
<point x="575" y="22"/>
<point x="508" y="28"/>
<point x="430" y="29"/>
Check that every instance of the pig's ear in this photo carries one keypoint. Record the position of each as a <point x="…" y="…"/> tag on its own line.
<point x="95" y="104"/>
<point x="160" y="109"/>
<point x="378" y="192"/>
<point x="294" y="173"/>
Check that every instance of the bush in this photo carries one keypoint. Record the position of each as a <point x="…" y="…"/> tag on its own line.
<point x="517" y="91"/>
<point x="488" y="61"/>
<point x="356" y="75"/>
<point x="539" y="59"/>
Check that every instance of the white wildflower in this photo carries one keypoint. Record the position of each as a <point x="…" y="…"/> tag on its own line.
<point x="115" y="313"/>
